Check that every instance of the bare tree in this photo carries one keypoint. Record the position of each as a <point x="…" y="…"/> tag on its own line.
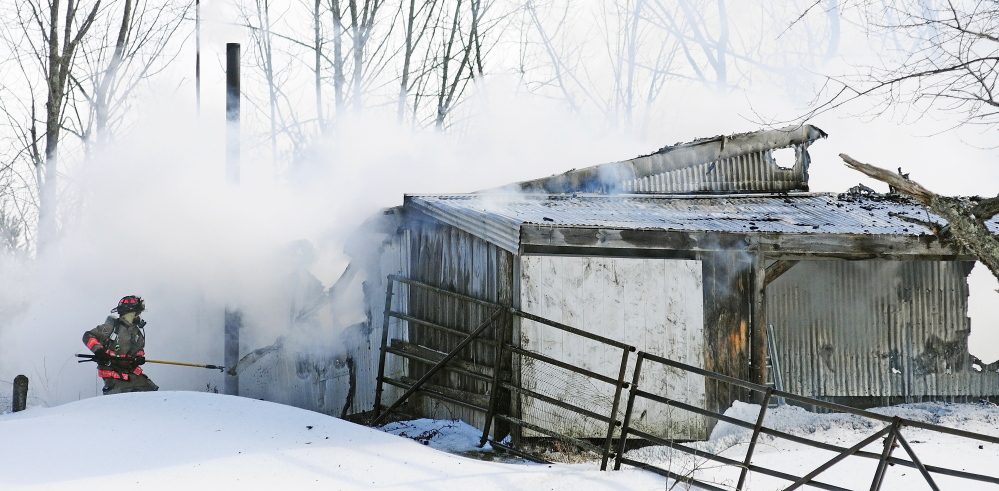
<point x="416" y="22"/>
<point x="652" y="48"/>
<point x="89" y="58"/>
<point x="444" y="48"/>
<point x="15" y="236"/>
<point x="562" y="61"/>
<point x="704" y="47"/>
<point x="264" y="42"/>
<point x="361" y="35"/>
<point x="50" y="32"/>
<point x="461" y="44"/>
<point x="449" y="83"/>
<point x="944" y="56"/>
<point x="362" y="19"/>
<point x="642" y="62"/>
<point x="128" y="46"/>
<point x="317" y="47"/>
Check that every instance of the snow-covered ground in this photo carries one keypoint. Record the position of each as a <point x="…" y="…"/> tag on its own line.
<point x="195" y="440"/>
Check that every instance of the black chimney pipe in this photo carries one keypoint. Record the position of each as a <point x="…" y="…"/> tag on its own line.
<point x="233" y="317"/>
<point x="232" y="113"/>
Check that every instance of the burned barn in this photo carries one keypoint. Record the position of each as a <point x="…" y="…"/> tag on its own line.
<point x="689" y="253"/>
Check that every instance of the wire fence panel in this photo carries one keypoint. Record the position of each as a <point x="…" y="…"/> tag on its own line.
<point x="565" y="401"/>
<point x="458" y="351"/>
<point x="443" y="353"/>
<point x="728" y="462"/>
<point x="558" y="392"/>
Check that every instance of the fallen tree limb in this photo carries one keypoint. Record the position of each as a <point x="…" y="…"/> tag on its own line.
<point x="966" y="223"/>
<point x="987" y="208"/>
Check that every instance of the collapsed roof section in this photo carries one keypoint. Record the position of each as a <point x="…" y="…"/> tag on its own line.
<point x="741" y="163"/>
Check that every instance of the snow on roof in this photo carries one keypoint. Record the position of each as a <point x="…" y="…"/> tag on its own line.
<point x="497" y="218"/>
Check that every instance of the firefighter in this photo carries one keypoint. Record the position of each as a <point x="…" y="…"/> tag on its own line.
<point x="118" y="346"/>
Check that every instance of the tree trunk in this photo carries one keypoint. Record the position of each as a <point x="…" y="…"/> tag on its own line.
<point x="339" y="80"/>
<point x="56" y="78"/>
<point x="358" y="36"/>
<point x="319" y="80"/>
<point x="102" y="94"/>
<point x="264" y="17"/>
<point x="966" y="228"/>
<point x="406" y="60"/>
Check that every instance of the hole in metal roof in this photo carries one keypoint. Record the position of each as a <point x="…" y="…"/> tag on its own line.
<point x="784" y="157"/>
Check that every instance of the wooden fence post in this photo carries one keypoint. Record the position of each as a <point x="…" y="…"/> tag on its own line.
<point x="20" y="393"/>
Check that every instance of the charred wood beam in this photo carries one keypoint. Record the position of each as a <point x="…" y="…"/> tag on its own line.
<point x="778" y="268"/>
<point x="539" y="239"/>
<point x="352" y="388"/>
<point x="758" y="331"/>
<point x="968" y="229"/>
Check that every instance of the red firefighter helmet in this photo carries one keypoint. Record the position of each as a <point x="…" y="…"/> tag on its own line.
<point x="131" y="303"/>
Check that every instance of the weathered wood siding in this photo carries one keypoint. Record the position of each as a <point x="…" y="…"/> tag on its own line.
<point x="655" y="305"/>
<point x="449" y="258"/>
<point x="727" y="311"/>
<point x="876" y="332"/>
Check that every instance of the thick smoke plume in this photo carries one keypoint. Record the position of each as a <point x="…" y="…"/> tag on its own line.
<point x="155" y="218"/>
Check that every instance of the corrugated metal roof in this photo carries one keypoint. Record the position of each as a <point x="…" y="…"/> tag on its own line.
<point x="738" y="163"/>
<point x="498" y="218"/>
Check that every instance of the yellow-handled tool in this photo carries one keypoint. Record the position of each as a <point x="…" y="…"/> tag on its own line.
<point x="198" y="365"/>
<point x="164" y="362"/>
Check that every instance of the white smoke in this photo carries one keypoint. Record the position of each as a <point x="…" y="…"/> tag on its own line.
<point x="155" y="218"/>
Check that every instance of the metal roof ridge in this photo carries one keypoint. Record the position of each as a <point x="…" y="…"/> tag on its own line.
<point x="514" y="196"/>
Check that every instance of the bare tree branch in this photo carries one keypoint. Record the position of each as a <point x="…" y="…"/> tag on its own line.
<point x="967" y="229"/>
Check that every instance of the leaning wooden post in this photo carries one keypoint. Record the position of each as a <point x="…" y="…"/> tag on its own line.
<point x="621" y="384"/>
<point x="497" y="376"/>
<point x="386" y="316"/>
<point x="20" y="393"/>
<point x="632" y="392"/>
<point x="758" y="335"/>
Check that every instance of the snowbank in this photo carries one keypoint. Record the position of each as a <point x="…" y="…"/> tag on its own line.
<point x="164" y="440"/>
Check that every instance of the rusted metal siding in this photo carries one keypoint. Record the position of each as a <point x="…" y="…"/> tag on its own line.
<point x="876" y="331"/>
<point x="448" y="258"/>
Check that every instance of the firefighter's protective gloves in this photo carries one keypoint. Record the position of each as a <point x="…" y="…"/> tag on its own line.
<point x="138" y="360"/>
<point x="122" y="364"/>
<point x="102" y="357"/>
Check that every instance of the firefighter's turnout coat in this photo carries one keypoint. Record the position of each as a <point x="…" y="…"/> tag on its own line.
<point x="122" y="341"/>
